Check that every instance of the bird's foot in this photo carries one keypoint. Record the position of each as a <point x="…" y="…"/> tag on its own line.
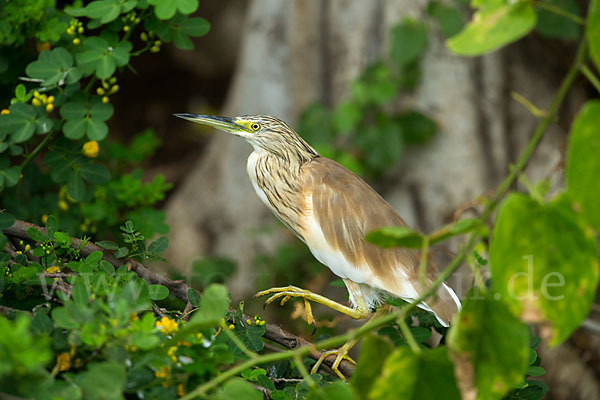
<point x="340" y="354"/>
<point x="287" y="292"/>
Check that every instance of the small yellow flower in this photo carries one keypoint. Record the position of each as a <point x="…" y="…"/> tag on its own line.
<point x="144" y="36"/>
<point x="36" y="102"/>
<point x="163" y="372"/>
<point x="76" y="41"/>
<point x="261" y="323"/>
<point x="114" y="89"/>
<point x="49" y="107"/>
<point x="90" y="149"/>
<point x="53" y="270"/>
<point x="80" y="30"/>
<point x="27" y="247"/>
<point x="42" y="46"/>
<point x="50" y="99"/>
<point x="44" y="218"/>
<point x="249" y="321"/>
<point x="171" y="353"/>
<point x="63" y="205"/>
<point x="105" y="100"/>
<point x="5" y="111"/>
<point x="126" y="28"/>
<point x="166" y="325"/>
<point x="100" y="91"/>
<point x="154" y="49"/>
<point x="63" y="361"/>
<point x="231" y="327"/>
<point x="180" y="390"/>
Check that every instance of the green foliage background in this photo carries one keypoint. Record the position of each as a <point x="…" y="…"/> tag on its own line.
<point x="82" y="324"/>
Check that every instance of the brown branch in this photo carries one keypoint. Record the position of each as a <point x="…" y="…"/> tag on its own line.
<point x="179" y="289"/>
<point x="9" y="311"/>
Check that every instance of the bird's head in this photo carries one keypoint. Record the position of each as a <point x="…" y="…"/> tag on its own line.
<point x="263" y="132"/>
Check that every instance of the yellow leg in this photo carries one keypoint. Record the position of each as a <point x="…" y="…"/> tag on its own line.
<point x="342" y="353"/>
<point x="287" y="292"/>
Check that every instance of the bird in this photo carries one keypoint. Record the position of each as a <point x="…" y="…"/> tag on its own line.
<point x="331" y="210"/>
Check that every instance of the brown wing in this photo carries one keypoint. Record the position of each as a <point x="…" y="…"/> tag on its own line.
<point x="346" y="208"/>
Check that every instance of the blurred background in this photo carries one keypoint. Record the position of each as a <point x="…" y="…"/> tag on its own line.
<point x="372" y="85"/>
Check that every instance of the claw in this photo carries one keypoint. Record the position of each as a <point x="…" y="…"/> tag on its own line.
<point x="341" y="355"/>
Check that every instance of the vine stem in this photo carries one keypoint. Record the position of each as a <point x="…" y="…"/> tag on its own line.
<point x="559" y="11"/>
<point x="37" y="149"/>
<point x="410" y="339"/>
<point x="400" y="314"/>
<point x="590" y="76"/>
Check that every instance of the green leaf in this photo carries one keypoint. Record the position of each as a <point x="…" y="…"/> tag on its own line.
<point x="213" y="306"/>
<point x="121" y="252"/>
<point x="194" y="27"/>
<point x="75" y="186"/>
<point x="51" y="225"/>
<point x="346" y="116"/>
<point x="10" y="176"/>
<point x="63" y="319"/>
<point x="535" y="371"/>
<point x="237" y="388"/>
<point x="592" y="31"/>
<point x="373" y="352"/>
<point x="487" y="339"/>
<point x="62" y="238"/>
<point x="53" y="67"/>
<point x="158" y="292"/>
<point x="80" y="293"/>
<point x="94" y="173"/>
<point x="406" y="375"/>
<point x="108" y="245"/>
<point x="416" y="127"/>
<point x="20" y="123"/>
<point x="104" y="10"/>
<point x="36" y="235"/>
<point x="100" y="111"/>
<point x="102" y="58"/>
<point x="6" y="220"/>
<point x="409" y="41"/>
<point x="96" y="130"/>
<point x="449" y="18"/>
<point x="541" y="273"/>
<point x="495" y="24"/>
<point x="395" y="236"/>
<point x="102" y="381"/>
<point x="144" y="340"/>
<point x="554" y="25"/>
<point x="332" y="391"/>
<point x="583" y="163"/>
<point x="159" y="245"/>
<point x="193" y="297"/>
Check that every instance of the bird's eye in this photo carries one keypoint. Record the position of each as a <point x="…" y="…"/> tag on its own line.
<point x="255" y="127"/>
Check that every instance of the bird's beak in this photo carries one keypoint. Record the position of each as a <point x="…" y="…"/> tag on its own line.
<point x="226" y="124"/>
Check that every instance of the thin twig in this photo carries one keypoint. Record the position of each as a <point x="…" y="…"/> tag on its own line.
<point x="590" y="76"/>
<point x="303" y="370"/>
<point x="559" y="11"/>
<point x="410" y="339"/>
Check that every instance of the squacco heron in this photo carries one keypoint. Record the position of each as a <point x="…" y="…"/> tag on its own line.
<point x="331" y="210"/>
